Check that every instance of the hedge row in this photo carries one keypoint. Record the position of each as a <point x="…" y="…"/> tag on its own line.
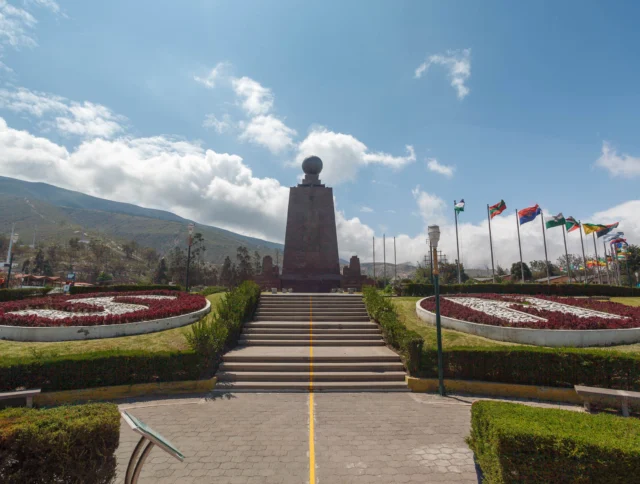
<point x="529" y="365"/>
<point x="207" y="291"/>
<point x="414" y="289"/>
<point x="219" y="331"/>
<point x="407" y="342"/>
<point x="17" y="294"/>
<point x="97" y="369"/>
<point x="521" y="444"/>
<point x="65" y="444"/>
<point x="123" y="288"/>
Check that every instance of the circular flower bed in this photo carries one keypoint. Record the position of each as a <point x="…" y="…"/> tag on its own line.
<point x="539" y="312"/>
<point x="98" y="309"/>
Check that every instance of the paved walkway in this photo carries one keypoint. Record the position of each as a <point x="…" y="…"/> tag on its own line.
<point x="264" y="438"/>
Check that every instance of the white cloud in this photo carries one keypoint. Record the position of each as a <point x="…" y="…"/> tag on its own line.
<point x="437" y="167"/>
<point x="16" y="26"/>
<point x="389" y="211"/>
<point x="48" y="4"/>
<point x="268" y="131"/>
<point x="343" y="154"/>
<point x="213" y="75"/>
<point x="366" y="209"/>
<point x="624" y="165"/>
<point x="68" y="117"/>
<point x="431" y="207"/>
<point x="458" y="65"/>
<point x="255" y="98"/>
<point x="220" y="125"/>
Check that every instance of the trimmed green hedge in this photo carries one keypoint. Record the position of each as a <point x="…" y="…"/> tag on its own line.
<point x="527" y="365"/>
<point x="407" y="342"/>
<point x="65" y="444"/>
<point x="528" y="445"/>
<point x="123" y="288"/>
<point x="207" y="291"/>
<point x="414" y="289"/>
<point x="23" y="293"/>
<point x="220" y="330"/>
<point x="97" y="369"/>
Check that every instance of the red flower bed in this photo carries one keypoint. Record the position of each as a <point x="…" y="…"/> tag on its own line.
<point x="181" y="303"/>
<point x="555" y="319"/>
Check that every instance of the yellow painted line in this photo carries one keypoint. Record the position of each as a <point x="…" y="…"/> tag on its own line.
<point x="312" y="444"/>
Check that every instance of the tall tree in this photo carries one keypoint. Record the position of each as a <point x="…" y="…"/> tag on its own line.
<point x="500" y="271"/>
<point x="539" y="269"/>
<point x="150" y="256"/>
<point x="130" y="248"/>
<point x="257" y="263"/>
<point x="160" y="276"/>
<point x="38" y="262"/>
<point x="244" y="267"/>
<point x="227" y="275"/>
<point x="516" y="273"/>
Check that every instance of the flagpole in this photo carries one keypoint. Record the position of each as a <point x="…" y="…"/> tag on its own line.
<point x="374" y="260"/>
<point x="584" y="258"/>
<point x="395" y="261"/>
<point x="606" y="260"/>
<point x="457" y="244"/>
<point x="566" y="254"/>
<point x="384" y="260"/>
<point x="520" y="246"/>
<point x="597" y="261"/>
<point x="614" y="262"/>
<point x="493" y="271"/>
<point x="544" y="238"/>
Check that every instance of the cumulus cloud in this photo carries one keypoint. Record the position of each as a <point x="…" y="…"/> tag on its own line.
<point x="86" y="119"/>
<point x="211" y="78"/>
<point x="343" y="154"/>
<point x="458" y="66"/>
<point x="623" y="165"/>
<point x="219" y="125"/>
<point x="435" y="166"/>
<point x="431" y="207"/>
<point x="366" y="209"/>
<point x="254" y="97"/>
<point x="268" y="131"/>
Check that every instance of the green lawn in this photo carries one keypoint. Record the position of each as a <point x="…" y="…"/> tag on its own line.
<point x="172" y="339"/>
<point x="406" y="307"/>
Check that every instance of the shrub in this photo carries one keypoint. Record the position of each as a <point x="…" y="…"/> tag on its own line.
<point x="180" y="303"/>
<point x="207" y="291"/>
<point x="528" y="365"/>
<point x="97" y="369"/>
<point x="65" y="444"/>
<point x="123" y="288"/>
<point x="407" y="342"/>
<point x="212" y="335"/>
<point x="17" y="294"/>
<point x="521" y="444"/>
<point x="415" y="289"/>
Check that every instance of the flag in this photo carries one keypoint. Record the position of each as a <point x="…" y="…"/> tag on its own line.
<point x="459" y="207"/>
<point x="571" y="224"/>
<point x="556" y="221"/>
<point x="590" y="228"/>
<point x="497" y="209"/>
<point x="528" y="214"/>
<point x="611" y="236"/>
<point x="607" y="229"/>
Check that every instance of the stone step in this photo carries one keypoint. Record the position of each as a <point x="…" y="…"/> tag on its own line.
<point x="306" y="342"/>
<point x="231" y="366"/>
<point x="301" y="354"/>
<point x="312" y="336"/>
<point x="373" y="386"/>
<point x="310" y="314"/>
<point x="328" y="318"/>
<point x="314" y="308"/>
<point x="306" y="331"/>
<point x="306" y="325"/>
<point x="306" y="376"/>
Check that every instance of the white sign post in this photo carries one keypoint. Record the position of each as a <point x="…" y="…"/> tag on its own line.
<point x="152" y="438"/>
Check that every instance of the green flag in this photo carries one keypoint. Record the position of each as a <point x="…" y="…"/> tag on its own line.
<point x="459" y="207"/>
<point x="556" y="221"/>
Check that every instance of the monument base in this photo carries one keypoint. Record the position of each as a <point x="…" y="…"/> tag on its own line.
<point x="312" y="283"/>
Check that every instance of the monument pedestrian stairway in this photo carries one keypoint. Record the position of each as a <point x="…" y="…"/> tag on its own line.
<point x="319" y="342"/>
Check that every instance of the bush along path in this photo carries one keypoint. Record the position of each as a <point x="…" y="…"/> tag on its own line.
<point x="318" y="342"/>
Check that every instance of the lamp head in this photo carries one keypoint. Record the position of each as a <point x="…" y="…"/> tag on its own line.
<point x="434" y="235"/>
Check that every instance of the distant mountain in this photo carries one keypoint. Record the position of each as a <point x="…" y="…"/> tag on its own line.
<point x="404" y="270"/>
<point x="60" y="214"/>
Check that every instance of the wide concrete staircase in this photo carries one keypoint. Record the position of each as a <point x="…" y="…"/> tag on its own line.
<point x="323" y="342"/>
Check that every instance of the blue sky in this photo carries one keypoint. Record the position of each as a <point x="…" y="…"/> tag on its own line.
<point x="206" y="109"/>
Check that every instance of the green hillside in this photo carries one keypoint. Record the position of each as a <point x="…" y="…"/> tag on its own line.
<point x="59" y="214"/>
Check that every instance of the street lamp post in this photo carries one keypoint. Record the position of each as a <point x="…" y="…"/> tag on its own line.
<point x="434" y="237"/>
<point x="189" y="242"/>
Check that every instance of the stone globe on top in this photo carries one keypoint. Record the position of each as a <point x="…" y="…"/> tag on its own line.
<point x="312" y="165"/>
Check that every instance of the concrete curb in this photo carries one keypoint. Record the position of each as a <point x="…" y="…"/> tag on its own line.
<point x="537" y="337"/>
<point x="124" y="391"/>
<point x="491" y="389"/>
<point x="74" y="333"/>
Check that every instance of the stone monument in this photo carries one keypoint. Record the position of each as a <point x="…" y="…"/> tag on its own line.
<point x="311" y="262"/>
